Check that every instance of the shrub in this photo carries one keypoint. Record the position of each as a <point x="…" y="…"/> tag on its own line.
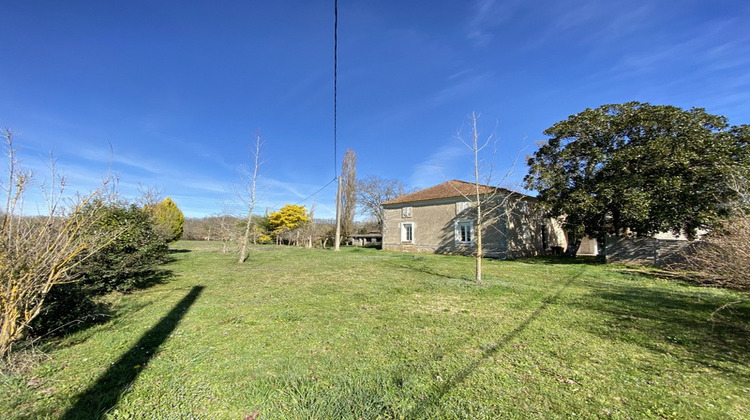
<point x="722" y="258"/>
<point x="169" y="219"/>
<point x="127" y="262"/>
<point x="135" y="253"/>
<point x="68" y="307"/>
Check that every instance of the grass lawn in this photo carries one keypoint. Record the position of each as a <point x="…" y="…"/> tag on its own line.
<point x="298" y="333"/>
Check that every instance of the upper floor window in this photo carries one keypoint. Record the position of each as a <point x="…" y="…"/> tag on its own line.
<point x="461" y="206"/>
<point x="406" y="211"/>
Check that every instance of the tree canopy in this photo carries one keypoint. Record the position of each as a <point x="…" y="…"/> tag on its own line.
<point x="168" y="219"/>
<point x="289" y="217"/>
<point x="639" y="167"/>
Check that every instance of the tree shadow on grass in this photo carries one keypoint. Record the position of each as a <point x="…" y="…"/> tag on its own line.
<point x="72" y="307"/>
<point x="149" y="278"/>
<point x="425" y="269"/>
<point x="104" y="394"/>
<point x="713" y="331"/>
<point x="559" y="259"/>
<point x="488" y="354"/>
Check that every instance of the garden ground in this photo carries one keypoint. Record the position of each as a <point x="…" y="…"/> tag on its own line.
<point x="297" y="333"/>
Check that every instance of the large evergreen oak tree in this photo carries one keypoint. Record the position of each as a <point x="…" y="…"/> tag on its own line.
<point x="640" y="168"/>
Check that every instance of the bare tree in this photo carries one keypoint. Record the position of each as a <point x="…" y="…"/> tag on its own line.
<point x="722" y="256"/>
<point x="486" y="199"/>
<point x="252" y="178"/>
<point x="373" y="191"/>
<point x="348" y="192"/>
<point x="39" y="252"/>
<point x="149" y="196"/>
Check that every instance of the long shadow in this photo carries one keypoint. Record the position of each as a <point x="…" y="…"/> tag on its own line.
<point x="73" y="307"/>
<point x="149" y="278"/>
<point x="455" y="380"/>
<point x="425" y="270"/>
<point x="559" y="260"/>
<point x="684" y="325"/>
<point x="103" y="395"/>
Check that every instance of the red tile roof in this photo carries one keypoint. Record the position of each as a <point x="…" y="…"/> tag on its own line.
<point x="449" y="189"/>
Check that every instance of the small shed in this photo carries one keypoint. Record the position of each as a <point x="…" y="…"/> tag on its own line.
<point x="371" y="238"/>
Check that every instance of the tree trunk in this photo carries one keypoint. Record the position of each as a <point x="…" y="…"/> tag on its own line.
<point x="248" y="225"/>
<point x="478" y="277"/>
<point x="337" y="241"/>
<point x="246" y="237"/>
<point x="572" y="248"/>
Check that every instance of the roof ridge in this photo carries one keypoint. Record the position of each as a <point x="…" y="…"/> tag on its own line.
<point x="448" y="189"/>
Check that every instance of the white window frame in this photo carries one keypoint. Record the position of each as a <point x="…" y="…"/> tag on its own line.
<point x="462" y="205"/>
<point x="406" y="211"/>
<point x="405" y="230"/>
<point x="457" y="227"/>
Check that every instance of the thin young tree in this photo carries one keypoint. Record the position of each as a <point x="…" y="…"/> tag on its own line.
<point x="253" y="179"/>
<point x="486" y="199"/>
<point x="476" y="148"/>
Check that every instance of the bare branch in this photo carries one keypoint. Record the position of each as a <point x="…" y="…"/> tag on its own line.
<point x="252" y="185"/>
<point x="38" y="252"/>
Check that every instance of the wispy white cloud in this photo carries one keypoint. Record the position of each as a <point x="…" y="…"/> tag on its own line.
<point x="287" y="189"/>
<point x="440" y="166"/>
<point x="591" y="24"/>
<point x="275" y="193"/>
<point x="620" y="23"/>
<point x="105" y="157"/>
<point x="203" y="206"/>
<point x="462" y="86"/>
<point x="459" y="85"/>
<point x="705" y="52"/>
<point x="459" y="74"/>
<point x="485" y="16"/>
<point x="601" y="20"/>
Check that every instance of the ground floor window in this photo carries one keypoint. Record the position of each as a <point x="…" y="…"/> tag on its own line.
<point x="464" y="231"/>
<point x="407" y="232"/>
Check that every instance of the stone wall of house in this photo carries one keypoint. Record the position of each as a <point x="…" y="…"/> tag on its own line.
<point x="514" y="229"/>
<point x="529" y="233"/>
<point x="434" y="227"/>
<point x="644" y="251"/>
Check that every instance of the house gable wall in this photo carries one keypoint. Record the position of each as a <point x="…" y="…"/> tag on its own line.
<point x="514" y="229"/>
<point x="435" y="228"/>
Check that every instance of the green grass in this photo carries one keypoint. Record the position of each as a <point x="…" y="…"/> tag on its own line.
<point x="298" y="333"/>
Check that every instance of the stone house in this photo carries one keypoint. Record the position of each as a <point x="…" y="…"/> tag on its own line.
<point x="442" y="219"/>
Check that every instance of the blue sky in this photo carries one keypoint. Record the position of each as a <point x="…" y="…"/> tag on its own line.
<point x="178" y="89"/>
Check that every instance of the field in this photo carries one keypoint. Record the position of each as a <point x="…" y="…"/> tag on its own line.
<point x="298" y="333"/>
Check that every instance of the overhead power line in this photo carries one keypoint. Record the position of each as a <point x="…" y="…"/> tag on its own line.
<point x="316" y="192"/>
<point x="335" y="82"/>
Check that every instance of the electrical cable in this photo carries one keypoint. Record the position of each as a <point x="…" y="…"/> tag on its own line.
<point x="319" y="190"/>
<point x="335" y="82"/>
